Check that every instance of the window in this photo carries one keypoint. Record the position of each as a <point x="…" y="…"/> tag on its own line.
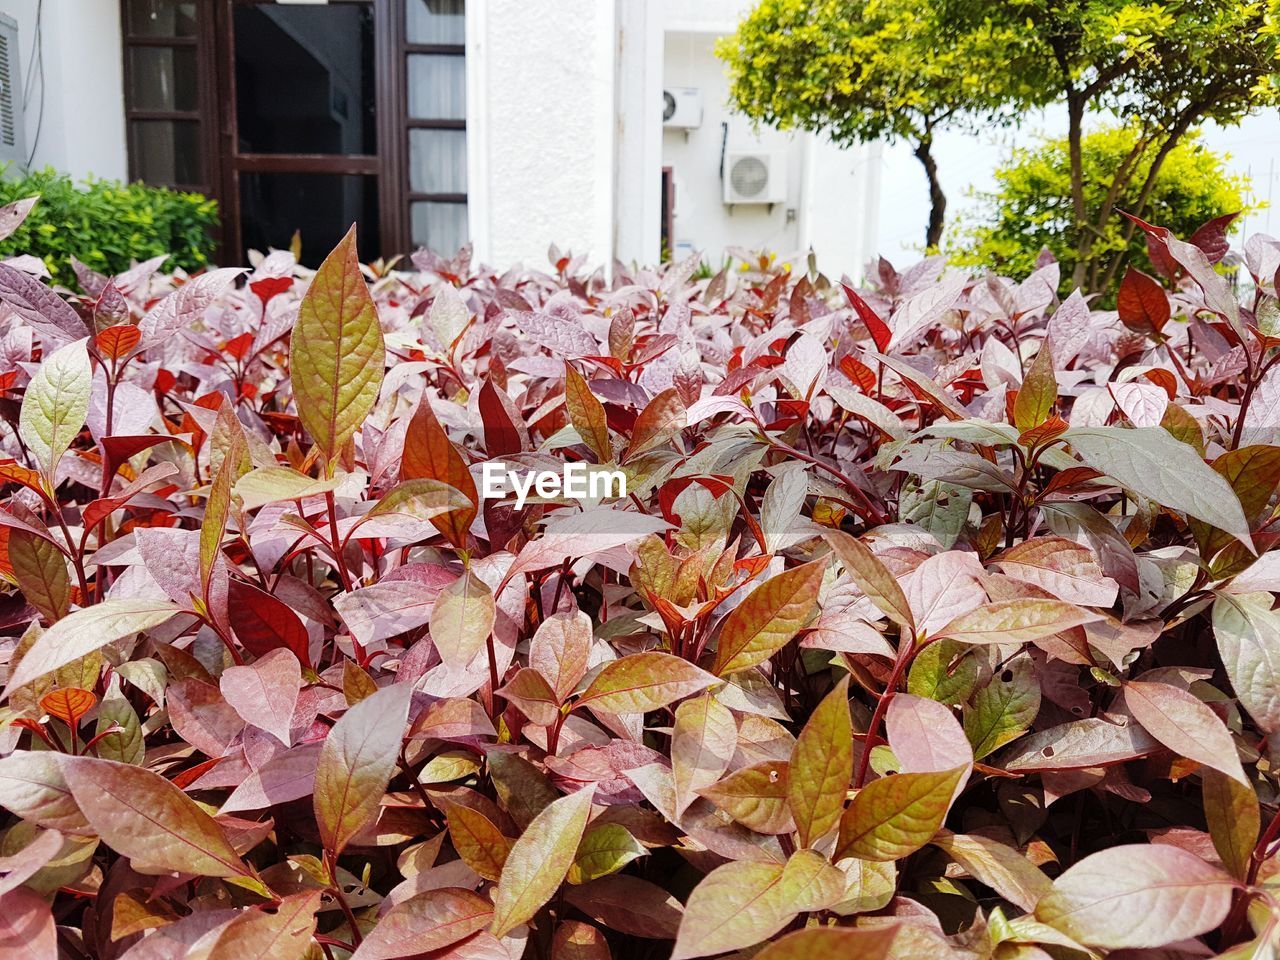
<point x="166" y="58"/>
<point x="305" y="117"/>
<point x="436" y="125"/>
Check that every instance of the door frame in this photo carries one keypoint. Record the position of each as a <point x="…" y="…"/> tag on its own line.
<point x="386" y="165"/>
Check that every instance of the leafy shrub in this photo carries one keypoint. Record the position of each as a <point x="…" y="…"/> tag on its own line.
<point x="936" y="621"/>
<point x="108" y="225"/>
<point x="1031" y="208"/>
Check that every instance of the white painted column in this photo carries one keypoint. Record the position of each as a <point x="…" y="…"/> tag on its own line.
<point x="540" y="120"/>
<point x="637" y="232"/>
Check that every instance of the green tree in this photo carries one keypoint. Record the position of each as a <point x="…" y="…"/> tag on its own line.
<point x="1031" y="208"/>
<point x="879" y="70"/>
<point x="1160" y="68"/>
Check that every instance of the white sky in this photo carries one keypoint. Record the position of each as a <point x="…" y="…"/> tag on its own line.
<point x="966" y="161"/>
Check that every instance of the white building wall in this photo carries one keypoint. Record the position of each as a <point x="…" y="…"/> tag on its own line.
<point x="74" y="117"/>
<point x="830" y="205"/>
<point x="540" y="116"/>
<point x="702" y="221"/>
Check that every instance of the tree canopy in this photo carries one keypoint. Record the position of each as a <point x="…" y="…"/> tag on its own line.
<point x="864" y="70"/>
<point x="1030" y="209"/>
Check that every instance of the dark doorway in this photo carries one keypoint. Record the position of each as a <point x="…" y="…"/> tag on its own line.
<point x="301" y="141"/>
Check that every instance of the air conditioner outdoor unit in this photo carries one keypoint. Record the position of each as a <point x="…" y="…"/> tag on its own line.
<point x="755" y="176"/>
<point x="12" y="147"/>
<point x="682" y="107"/>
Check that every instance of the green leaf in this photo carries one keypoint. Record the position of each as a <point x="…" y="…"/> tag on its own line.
<point x="1016" y="621"/>
<point x="462" y="619"/>
<point x="41" y="572"/>
<point x="822" y="766"/>
<point x="1137" y="895"/>
<point x="1151" y="462"/>
<point x="421" y="499"/>
<point x="1248" y="634"/>
<point x="356" y="763"/>
<point x="1000" y="867"/>
<point x="146" y="818"/>
<point x="84" y="631"/>
<point x="895" y="816"/>
<point x="1039" y="392"/>
<point x="1003" y="709"/>
<point x="642" y="682"/>
<point x="740" y="904"/>
<point x="604" y="850"/>
<point x="266" y="485"/>
<point x="703" y="742"/>
<point x="1234" y="819"/>
<point x="337" y="357"/>
<point x="126" y="745"/>
<point x="425" y="923"/>
<point x="756" y="796"/>
<point x="477" y="839"/>
<point x="587" y="415"/>
<point x="213" y="525"/>
<point x="55" y="405"/>
<point x="946" y="671"/>
<point x="540" y="860"/>
<point x="768" y="618"/>
<point x="873" y="578"/>
<point x="523" y="790"/>
<point x="821" y="943"/>
<point x="940" y="508"/>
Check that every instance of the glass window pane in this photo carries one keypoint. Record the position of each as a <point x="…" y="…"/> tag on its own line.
<point x="162" y="78"/>
<point x="166" y="152"/>
<point x="438" y="161"/>
<point x="320" y="206"/>
<point x="441" y="227"/>
<point x="161" y="18"/>
<point x="435" y="21"/>
<point x="305" y="80"/>
<point x="437" y="87"/>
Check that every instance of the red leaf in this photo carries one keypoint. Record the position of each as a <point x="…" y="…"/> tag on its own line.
<point x="1142" y="302"/>
<point x="878" y="329"/>
<point x="262" y="622"/>
<point x="502" y="436"/>
<point x="269" y="287"/>
<point x="1211" y="236"/>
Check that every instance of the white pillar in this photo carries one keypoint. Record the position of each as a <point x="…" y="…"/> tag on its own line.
<point x="637" y="207"/>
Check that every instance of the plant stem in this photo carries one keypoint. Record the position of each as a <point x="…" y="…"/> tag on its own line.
<point x="868" y="512"/>
<point x="332" y="863"/>
<point x="905" y="650"/>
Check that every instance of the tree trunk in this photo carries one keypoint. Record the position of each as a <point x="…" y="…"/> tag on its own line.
<point x="937" y="199"/>
<point x="1075" y="137"/>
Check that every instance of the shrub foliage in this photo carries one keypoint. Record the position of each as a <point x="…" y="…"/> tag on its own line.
<point x="1030" y="209"/>
<point x="108" y="226"/>
<point x="937" y="619"/>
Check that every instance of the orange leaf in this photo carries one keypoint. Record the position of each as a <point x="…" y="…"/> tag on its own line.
<point x="68" y="704"/>
<point x="116" y="342"/>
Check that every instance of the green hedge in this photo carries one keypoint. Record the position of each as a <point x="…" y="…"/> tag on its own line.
<point x="107" y="224"/>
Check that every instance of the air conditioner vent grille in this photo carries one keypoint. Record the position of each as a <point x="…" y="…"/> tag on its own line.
<point x="8" y="128"/>
<point x="749" y="176"/>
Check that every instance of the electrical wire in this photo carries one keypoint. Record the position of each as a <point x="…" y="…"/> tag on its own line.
<point x="36" y="64"/>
